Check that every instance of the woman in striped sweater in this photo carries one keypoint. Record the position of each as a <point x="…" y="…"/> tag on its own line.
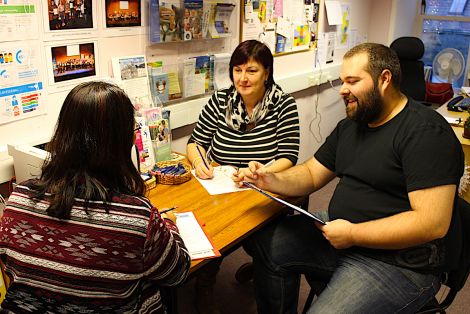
<point x="83" y="238"/>
<point x="253" y="120"/>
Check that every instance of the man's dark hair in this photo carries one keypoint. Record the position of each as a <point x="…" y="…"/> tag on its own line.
<point x="90" y="151"/>
<point x="259" y="52"/>
<point x="380" y="58"/>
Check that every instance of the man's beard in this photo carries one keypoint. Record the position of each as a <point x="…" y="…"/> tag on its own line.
<point x="368" y="109"/>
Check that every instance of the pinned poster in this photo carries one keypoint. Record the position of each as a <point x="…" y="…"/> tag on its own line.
<point x="222" y="70"/>
<point x="20" y="81"/>
<point x="333" y="12"/>
<point x="278" y="8"/>
<point x="131" y="74"/>
<point x="342" y="31"/>
<point x="19" y="20"/>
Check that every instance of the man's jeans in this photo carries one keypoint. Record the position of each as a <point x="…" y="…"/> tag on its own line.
<point x="293" y="245"/>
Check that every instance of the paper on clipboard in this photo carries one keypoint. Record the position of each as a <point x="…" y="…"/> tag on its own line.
<point x="300" y="210"/>
<point x="194" y="237"/>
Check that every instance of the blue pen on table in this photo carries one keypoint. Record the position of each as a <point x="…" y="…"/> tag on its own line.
<point x="203" y="159"/>
<point x="168" y="210"/>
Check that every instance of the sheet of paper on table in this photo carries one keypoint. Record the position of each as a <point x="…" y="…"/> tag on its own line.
<point x="194" y="237"/>
<point x="221" y="182"/>
<point x="454" y="121"/>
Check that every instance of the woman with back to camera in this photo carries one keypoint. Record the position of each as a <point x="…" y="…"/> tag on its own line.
<point x="83" y="238"/>
<point x="253" y="120"/>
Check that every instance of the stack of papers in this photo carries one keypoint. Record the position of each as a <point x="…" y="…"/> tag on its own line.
<point x="194" y="237"/>
<point x="454" y="121"/>
<point x="465" y="90"/>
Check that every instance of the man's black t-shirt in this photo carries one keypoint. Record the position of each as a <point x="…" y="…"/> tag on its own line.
<point x="377" y="167"/>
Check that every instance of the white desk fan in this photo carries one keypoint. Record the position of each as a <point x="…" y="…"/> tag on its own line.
<point x="448" y="65"/>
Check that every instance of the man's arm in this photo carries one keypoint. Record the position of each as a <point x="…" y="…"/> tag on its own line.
<point x="428" y="219"/>
<point x="299" y="180"/>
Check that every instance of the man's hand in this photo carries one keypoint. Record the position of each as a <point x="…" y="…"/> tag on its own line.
<point x="257" y="174"/>
<point x="241" y="174"/>
<point x="338" y="232"/>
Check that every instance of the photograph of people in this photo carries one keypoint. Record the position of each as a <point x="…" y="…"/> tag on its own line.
<point x="69" y="14"/>
<point x="83" y="237"/>
<point x="123" y="13"/>
<point x="67" y="66"/>
<point x="253" y="120"/>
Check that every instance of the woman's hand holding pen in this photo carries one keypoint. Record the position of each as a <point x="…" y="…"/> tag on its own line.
<point x="169" y="214"/>
<point x="203" y="171"/>
<point x="201" y="165"/>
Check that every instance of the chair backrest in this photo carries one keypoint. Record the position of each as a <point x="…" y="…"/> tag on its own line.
<point x="457" y="277"/>
<point x="410" y="50"/>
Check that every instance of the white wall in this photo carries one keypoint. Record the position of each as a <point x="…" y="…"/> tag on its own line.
<point x="331" y="109"/>
<point x="402" y="19"/>
<point x="379" y="22"/>
<point x="390" y="19"/>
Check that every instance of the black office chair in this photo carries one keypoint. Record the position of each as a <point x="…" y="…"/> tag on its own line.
<point x="410" y="50"/>
<point x="454" y="280"/>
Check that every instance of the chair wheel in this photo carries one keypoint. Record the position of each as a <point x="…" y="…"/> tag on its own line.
<point x="244" y="273"/>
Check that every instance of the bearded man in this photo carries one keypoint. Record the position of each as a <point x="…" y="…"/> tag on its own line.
<point x="390" y="220"/>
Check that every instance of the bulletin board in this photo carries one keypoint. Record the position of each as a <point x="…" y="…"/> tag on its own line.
<point x="48" y="47"/>
<point x="285" y="26"/>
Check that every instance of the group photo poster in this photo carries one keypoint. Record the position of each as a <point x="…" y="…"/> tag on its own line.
<point x="123" y="18"/>
<point x="71" y="63"/>
<point x="71" y="18"/>
<point x="123" y="13"/>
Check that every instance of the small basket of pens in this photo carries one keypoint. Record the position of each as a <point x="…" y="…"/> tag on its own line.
<point x="171" y="172"/>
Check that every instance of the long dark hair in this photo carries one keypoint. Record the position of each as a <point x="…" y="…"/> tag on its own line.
<point x="90" y="152"/>
<point x="256" y="50"/>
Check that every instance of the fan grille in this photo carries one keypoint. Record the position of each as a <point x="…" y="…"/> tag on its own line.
<point x="448" y="65"/>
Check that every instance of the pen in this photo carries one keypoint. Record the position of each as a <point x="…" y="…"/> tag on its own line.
<point x="300" y="210"/>
<point x="203" y="159"/>
<point x="168" y="209"/>
<point x="269" y="163"/>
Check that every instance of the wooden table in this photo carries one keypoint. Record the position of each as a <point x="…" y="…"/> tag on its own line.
<point x="227" y="218"/>
<point x="458" y="130"/>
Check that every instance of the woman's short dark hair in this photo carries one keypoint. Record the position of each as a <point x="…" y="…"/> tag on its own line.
<point x="259" y="52"/>
<point x="90" y="151"/>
